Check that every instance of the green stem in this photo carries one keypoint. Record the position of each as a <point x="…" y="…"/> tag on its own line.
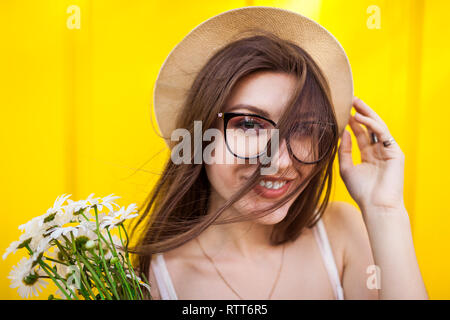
<point x="128" y="259"/>
<point x="88" y="283"/>
<point x="130" y="267"/>
<point x="122" y="272"/>
<point x="63" y="250"/>
<point x="85" y="283"/>
<point x="147" y="283"/>
<point x="97" y="281"/>
<point x="108" y="275"/>
<point x="95" y="264"/>
<point x="99" y="273"/>
<point x="76" y="255"/>
<point x="56" y="282"/>
<point x="57" y="261"/>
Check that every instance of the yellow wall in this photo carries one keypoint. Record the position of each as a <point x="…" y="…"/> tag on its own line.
<point x="76" y="102"/>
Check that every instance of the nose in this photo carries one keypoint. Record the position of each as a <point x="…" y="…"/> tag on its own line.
<point x="283" y="157"/>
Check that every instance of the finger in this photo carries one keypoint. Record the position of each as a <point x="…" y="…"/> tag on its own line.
<point x="373" y="125"/>
<point x="382" y="133"/>
<point x="364" y="109"/>
<point x="345" y="153"/>
<point x="360" y="133"/>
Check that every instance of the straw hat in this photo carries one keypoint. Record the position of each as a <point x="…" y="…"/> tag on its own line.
<point x="193" y="51"/>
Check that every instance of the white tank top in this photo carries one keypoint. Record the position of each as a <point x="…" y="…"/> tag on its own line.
<point x="167" y="290"/>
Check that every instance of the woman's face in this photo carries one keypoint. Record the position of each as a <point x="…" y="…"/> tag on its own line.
<point x="264" y="93"/>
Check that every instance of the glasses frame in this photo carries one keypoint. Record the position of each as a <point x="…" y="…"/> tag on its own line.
<point x="227" y="116"/>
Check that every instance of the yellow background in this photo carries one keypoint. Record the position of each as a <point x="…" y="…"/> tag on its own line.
<point x="75" y="103"/>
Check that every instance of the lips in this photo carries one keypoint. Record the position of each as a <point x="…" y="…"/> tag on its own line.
<point x="271" y="188"/>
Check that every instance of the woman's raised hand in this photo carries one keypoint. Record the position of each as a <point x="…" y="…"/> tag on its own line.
<point x="377" y="182"/>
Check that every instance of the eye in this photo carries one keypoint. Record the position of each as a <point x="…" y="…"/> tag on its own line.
<point x="304" y="128"/>
<point x="311" y="130"/>
<point x="248" y="122"/>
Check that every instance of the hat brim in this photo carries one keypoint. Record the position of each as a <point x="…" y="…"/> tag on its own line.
<point x="194" y="50"/>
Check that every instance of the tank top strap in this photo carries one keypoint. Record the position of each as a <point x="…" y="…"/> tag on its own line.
<point x="163" y="280"/>
<point x="167" y="290"/>
<point x="328" y="259"/>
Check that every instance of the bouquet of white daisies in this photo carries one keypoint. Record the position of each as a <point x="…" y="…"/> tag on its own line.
<point x="75" y="246"/>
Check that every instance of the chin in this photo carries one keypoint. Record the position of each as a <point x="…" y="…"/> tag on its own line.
<point x="273" y="217"/>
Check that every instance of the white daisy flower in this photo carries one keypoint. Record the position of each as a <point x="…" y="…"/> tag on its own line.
<point x="73" y="210"/>
<point x="89" y="202"/>
<point x="38" y="243"/>
<point x="52" y="217"/>
<point x="85" y="233"/>
<point x="108" y="202"/>
<point x="85" y="206"/>
<point x="59" y="201"/>
<point x="34" y="229"/>
<point x="120" y="216"/>
<point x="43" y="245"/>
<point x="56" y="211"/>
<point x="25" y="279"/>
<point x="30" y="226"/>
<point x="33" y="239"/>
<point x="56" y="233"/>
<point x="76" y="207"/>
<point x="11" y="249"/>
<point x="87" y="228"/>
<point x="23" y="239"/>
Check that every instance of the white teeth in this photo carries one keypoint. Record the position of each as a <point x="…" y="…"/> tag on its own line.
<point x="272" y="185"/>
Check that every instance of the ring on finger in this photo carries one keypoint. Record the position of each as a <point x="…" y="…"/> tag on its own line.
<point x="374" y="138"/>
<point x="389" y="142"/>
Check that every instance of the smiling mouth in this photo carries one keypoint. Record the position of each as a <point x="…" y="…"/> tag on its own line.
<point x="274" y="185"/>
<point x="271" y="188"/>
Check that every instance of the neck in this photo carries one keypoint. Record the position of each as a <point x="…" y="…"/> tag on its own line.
<point x="246" y="239"/>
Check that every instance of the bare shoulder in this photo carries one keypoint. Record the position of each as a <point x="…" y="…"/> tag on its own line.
<point x="343" y="216"/>
<point x="345" y="224"/>
<point x="339" y="219"/>
<point x="180" y="263"/>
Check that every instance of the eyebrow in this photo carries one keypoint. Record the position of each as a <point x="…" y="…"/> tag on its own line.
<point x="308" y="115"/>
<point x="250" y="108"/>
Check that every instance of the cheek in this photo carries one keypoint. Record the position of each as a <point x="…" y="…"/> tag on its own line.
<point x="226" y="173"/>
<point x="222" y="173"/>
<point x="306" y="172"/>
<point x="224" y="179"/>
<point x="220" y="153"/>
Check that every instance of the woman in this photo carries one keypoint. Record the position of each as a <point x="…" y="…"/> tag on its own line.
<point x="226" y="230"/>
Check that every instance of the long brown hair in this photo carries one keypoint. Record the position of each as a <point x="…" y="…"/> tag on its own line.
<point x="175" y="211"/>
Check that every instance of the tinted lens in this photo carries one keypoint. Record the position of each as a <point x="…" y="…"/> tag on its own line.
<point x="247" y="136"/>
<point x="311" y="141"/>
